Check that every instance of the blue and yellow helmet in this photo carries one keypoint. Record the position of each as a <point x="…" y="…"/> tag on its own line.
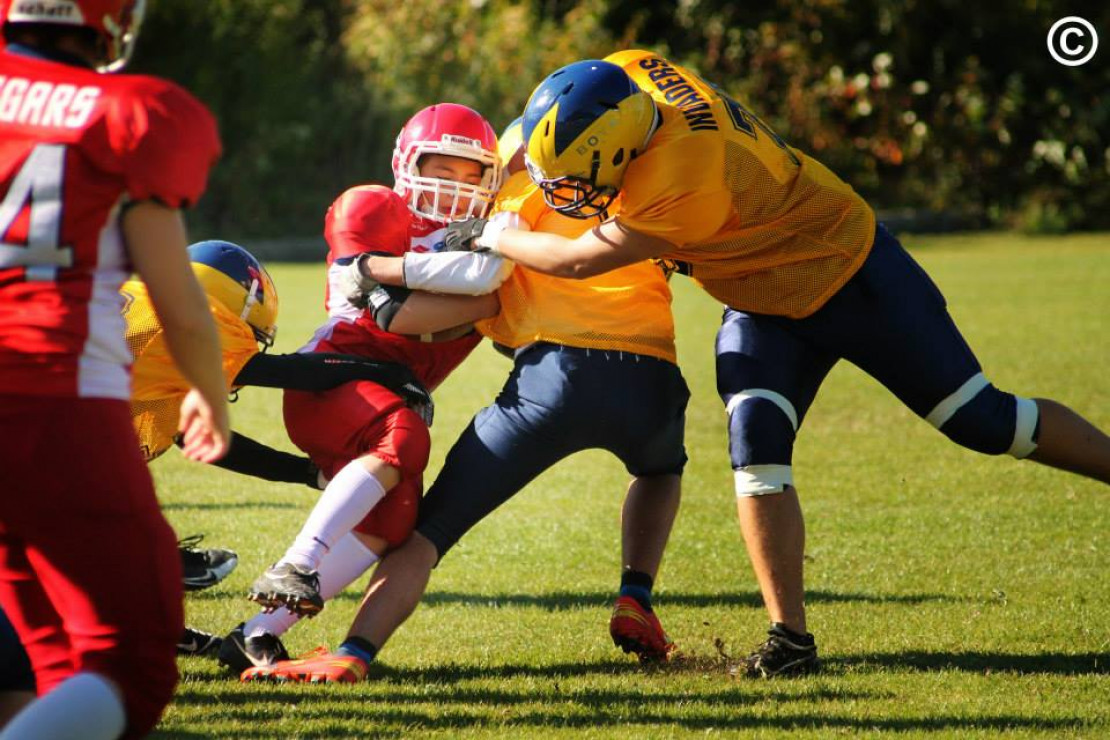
<point x="510" y="141"/>
<point x="581" y="128"/>
<point x="231" y="275"/>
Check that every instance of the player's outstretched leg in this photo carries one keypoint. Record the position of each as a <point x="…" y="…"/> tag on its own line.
<point x="1069" y="442"/>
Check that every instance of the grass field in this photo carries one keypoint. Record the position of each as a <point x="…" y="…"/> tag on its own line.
<point x="952" y="595"/>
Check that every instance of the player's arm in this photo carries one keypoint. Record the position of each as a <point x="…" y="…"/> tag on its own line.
<point x="428" y="313"/>
<point x="248" y="457"/>
<point x="603" y="248"/>
<point x="321" y="371"/>
<point x="156" y="244"/>
<point x="452" y="272"/>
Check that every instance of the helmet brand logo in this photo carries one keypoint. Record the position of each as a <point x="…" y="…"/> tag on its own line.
<point x="64" y="11"/>
<point x="460" y="141"/>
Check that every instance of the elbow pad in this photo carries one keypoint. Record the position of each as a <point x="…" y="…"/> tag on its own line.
<point x="384" y="302"/>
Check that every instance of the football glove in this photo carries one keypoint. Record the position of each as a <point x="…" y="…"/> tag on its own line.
<point x="460" y="235"/>
<point x="355" y="285"/>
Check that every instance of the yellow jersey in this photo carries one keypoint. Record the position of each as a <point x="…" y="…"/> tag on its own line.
<point x="627" y="310"/>
<point x="760" y="225"/>
<point x="157" y="387"/>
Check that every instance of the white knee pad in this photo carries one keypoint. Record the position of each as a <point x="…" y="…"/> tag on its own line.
<point x="776" y="398"/>
<point x="992" y="434"/>
<point x="1026" y="427"/>
<point x="761" y="480"/>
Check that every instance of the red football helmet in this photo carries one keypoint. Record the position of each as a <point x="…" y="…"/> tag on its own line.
<point x="456" y="131"/>
<point x="115" y="21"/>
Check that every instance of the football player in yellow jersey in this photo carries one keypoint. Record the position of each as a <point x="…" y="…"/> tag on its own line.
<point x="594" y="367"/>
<point x="805" y="273"/>
<point x="244" y="304"/>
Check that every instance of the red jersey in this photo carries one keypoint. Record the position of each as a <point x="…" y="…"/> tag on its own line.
<point x="75" y="146"/>
<point x="372" y="218"/>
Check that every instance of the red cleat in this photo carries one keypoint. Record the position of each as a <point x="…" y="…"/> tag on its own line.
<point x="319" y="667"/>
<point x="636" y="630"/>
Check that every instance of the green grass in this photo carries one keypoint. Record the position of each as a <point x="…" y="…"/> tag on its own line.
<point x="952" y="595"/>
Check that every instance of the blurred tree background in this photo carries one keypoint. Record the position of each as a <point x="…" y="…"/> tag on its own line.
<point x="952" y="110"/>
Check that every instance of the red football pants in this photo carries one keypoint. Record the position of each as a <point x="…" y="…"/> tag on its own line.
<point x="361" y="418"/>
<point x="89" y="570"/>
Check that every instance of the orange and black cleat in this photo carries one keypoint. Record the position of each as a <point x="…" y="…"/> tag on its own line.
<point x="636" y="630"/>
<point x="318" y="667"/>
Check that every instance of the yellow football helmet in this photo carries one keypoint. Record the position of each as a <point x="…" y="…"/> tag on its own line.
<point x="581" y="128"/>
<point x="231" y="275"/>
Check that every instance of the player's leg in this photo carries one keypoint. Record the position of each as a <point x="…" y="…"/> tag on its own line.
<point x="506" y="445"/>
<point x="640" y="403"/>
<point x="503" y="448"/>
<point x="893" y="322"/>
<point x="122" y="623"/>
<point x="383" y="440"/>
<point x="767" y="377"/>
<point x="257" y="642"/>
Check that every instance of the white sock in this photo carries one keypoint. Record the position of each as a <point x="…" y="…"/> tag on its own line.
<point x="348" y="498"/>
<point x="339" y="568"/>
<point x="83" y="707"/>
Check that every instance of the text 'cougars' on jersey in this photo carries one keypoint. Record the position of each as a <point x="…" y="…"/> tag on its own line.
<point x="44" y="103"/>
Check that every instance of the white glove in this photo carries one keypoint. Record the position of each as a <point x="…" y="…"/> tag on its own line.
<point x="355" y="284"/>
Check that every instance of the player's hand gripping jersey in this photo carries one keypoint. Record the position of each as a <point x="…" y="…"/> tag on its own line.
<point x="75" y="147"/>
<point x="760" y="225"/>
<point x="628" y="309"/>
<point x="373" y="218"/>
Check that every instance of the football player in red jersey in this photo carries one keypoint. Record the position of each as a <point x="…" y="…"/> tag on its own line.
<point x="371" y="446"/>
<point x="94" y="170"/>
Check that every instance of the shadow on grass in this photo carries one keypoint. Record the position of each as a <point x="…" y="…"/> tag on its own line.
<point x="393" y="713"/>
<point x="226" y="505"/>
<point x="566" y="600"/>
<point x="1061" y="664"/>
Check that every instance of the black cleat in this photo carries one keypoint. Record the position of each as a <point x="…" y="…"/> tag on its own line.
<point x="239" y="652"/>
<point x="196" y="642"/>
<point x="204" y="568"/>
<point x="285" y="584"/>
<point x="785" y="653"/>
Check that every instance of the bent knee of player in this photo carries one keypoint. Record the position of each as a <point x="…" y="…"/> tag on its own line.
<point x="762" y="427"/>
<point x="982" y="418"/>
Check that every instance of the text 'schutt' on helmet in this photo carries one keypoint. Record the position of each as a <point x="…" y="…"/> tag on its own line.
<point x="232" y="276"/>
<point x="116" y="22"/>
<point x="582" y="126"/>
<point x="456" y="131"/>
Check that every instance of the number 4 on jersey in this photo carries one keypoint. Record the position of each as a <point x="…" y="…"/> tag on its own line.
<point x="39" y="182"/>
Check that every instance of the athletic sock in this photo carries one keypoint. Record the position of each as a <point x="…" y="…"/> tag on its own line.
<point x="358" y="647"/>
<point x="85" y="706"/>
<point x="339" y="568"/>
<point x="637" y="585"/>
<point x="798" y="638"/>
<point x="348" y="498"/>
